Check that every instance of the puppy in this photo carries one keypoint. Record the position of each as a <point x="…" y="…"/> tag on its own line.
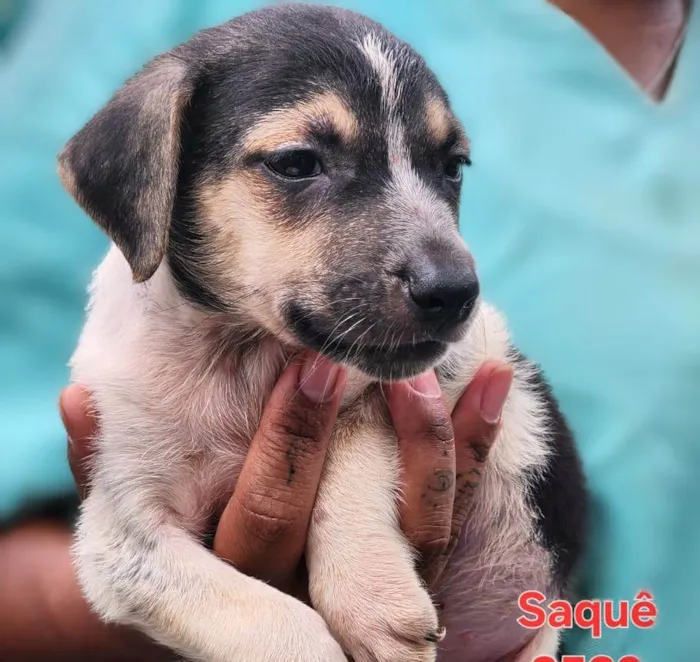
<point x="292" y="179"/>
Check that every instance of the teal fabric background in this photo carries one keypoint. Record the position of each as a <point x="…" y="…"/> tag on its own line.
<point x="583" y="209"/>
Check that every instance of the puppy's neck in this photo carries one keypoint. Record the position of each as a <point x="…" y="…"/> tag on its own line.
<point x="215" y="342"/>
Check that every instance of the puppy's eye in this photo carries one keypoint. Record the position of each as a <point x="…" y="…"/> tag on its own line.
<point x="295" y="164"/>
<point x="453" y="168"/>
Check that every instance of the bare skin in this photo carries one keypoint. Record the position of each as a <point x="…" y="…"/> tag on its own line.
<point x="641" y="35"/>
<point x="42" y="613"/>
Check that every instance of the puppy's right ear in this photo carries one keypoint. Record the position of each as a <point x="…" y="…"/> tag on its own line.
<point x="122" y="167"/>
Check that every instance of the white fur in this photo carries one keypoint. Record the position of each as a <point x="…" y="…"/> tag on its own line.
<point x="546" y="642"/>
<point x="410" y="196"/>
<point x="384" y="64"/>
<point x="177" y="411"/>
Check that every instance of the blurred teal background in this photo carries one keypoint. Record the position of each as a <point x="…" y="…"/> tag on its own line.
<point x="583" y="210"/>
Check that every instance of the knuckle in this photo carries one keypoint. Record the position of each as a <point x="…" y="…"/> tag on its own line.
<point x="477" y="441"/>
<point x="460" y="511"/>
<point x="431" y="539"/>
<point x="442" y="482"/>
<point x="466" y="489"/>
<point x="298" y="426"/>
<point x="480" y="451"/>
<point x="266" y="520"/>
<point x="434" y="546"/>
<point x="438" y="428"/>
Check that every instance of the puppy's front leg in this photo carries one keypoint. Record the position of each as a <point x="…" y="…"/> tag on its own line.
<point x="137" y="568"/>
<point x="362" y="576"/>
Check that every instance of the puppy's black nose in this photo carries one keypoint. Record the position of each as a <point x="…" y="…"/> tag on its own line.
<point x="444" y="291"/>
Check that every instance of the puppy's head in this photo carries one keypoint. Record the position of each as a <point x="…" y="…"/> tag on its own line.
<point x="300" y="169"/>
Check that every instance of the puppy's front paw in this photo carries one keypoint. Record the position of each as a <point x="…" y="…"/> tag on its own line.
<point x="301" y="635"/>
<point x="380" y="614"/>
<point x="270" y="631"/>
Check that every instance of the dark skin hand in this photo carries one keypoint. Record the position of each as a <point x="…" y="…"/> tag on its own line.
<point x="263" y="528"/>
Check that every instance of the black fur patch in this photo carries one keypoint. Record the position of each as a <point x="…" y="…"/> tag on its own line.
<point x="559" y="493"/>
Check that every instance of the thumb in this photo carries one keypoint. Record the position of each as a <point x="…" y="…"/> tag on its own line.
<point x="81" y="427"/>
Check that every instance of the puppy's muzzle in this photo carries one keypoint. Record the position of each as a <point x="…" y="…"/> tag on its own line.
<point x="441" y="289"/>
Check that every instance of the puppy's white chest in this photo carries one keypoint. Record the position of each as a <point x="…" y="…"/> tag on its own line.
<point x="183" y="406"/>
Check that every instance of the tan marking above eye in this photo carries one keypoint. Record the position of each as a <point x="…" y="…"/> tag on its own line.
<point x="438" y="119"/>
<point x="441" y="123"/>
<point x="287" y="126"/>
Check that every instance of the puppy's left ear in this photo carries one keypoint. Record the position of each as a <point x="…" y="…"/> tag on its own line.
<point x="122" y="167"/>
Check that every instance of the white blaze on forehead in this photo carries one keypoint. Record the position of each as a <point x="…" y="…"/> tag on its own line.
<point x="412" y="197"/>
<point x="383" y="61"/>
<point x="384" y="64"/>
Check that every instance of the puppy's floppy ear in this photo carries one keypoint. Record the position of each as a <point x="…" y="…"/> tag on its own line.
<point x="122" y="167"/>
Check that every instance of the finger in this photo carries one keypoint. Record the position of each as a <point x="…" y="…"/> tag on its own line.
<point x="81" y="427"/>
<point x="426" y="442"/>
<point x="264" y="526"/>
<point x="475" y="419"/>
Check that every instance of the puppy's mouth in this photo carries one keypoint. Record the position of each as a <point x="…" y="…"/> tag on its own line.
<point x="388" y="361"/>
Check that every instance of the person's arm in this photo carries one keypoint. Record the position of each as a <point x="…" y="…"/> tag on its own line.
<point x="43" y="614"/>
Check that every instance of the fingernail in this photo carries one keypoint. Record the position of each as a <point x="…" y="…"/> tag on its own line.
<point x="436" y="637"/>
<point x="426" y="384"/>
<point x="318" y="378"/>
<point x="495" y="394"/>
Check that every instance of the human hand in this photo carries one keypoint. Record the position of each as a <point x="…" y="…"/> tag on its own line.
<point x="263" y="529"/>
<point x="443" y="457"/>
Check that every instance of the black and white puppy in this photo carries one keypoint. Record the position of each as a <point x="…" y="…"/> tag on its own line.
<point x="292" y="179"/>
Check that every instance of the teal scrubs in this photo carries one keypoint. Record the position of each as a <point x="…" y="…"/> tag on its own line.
<point x="583" y="209"/>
